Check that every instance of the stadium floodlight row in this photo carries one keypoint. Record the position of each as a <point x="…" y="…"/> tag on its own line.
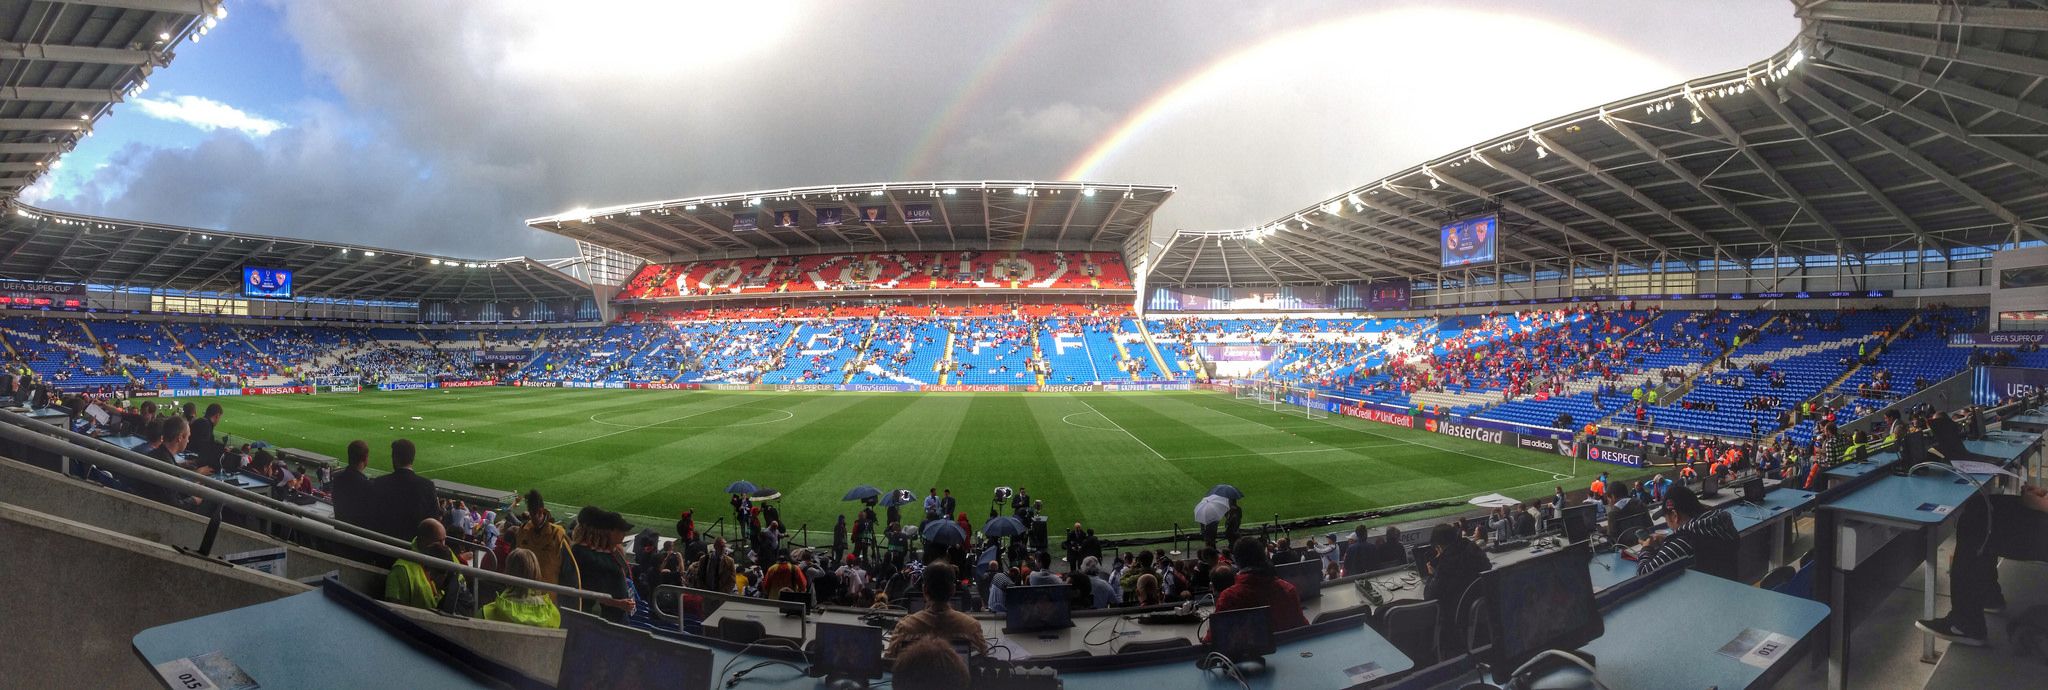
<point x="1883" y="128"/>
<point x="83" y="59"/>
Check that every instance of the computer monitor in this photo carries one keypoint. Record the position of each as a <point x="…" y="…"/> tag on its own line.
<point x="848" y="651"/>
<point x="1037" y="608"/>
<point x="1621" y="524"/>
<point x="1306" y="576"/>
<point x="1710" y="485"/>
<point x="599" y="655"/>
<point x="792" y="596"/>
<point x="1241" y="634"/>
<point x="1753" y="490"/>
<point x="1578" y="522"/>
<point x="1545" y="602"/>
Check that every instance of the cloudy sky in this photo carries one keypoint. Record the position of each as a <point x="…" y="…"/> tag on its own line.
<point x="439" y="125"/>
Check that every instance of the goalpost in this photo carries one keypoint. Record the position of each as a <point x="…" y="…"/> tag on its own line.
<point x="1282" y="397"/>
<point x="337" y="384"/>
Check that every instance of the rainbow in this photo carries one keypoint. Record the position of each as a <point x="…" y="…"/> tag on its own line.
<point x="1162" y="104"/>
<point x="977" y="85"/>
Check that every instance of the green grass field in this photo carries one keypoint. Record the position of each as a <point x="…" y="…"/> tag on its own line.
<point x="1118" y="462"/>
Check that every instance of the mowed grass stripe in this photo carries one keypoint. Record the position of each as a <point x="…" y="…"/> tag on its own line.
<point x="1123" y="483"/>
<point x="659" y="471"/>
<point x="1270" y="486"/>
<point x="570" y="463"/>
<point x="783" y="456"/>
<point x="906" y="451"/>
<point x="1002" y="444"/>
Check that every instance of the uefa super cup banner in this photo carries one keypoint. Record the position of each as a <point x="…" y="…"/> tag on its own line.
<point x="1993" y="385"/>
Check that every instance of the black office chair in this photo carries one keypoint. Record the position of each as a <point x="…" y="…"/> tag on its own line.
<point x="1777" y="577"/>
<point x="1346" y="612"/>
<point x="1412" y="629"/>
<point x="739" y="631"/>
<point x="1153" y="645"/>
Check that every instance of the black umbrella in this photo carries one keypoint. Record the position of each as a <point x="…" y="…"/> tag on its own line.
<point x="944" y="533"/>
<point x="1226" y="491"/>
<point x="741" y="487"/>
<point x="898" y="497"/>
<point x="1004" y="526"/>
<point x="861" y="493"/>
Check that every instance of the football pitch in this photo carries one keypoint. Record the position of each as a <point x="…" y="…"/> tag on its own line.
<point x="1120" y="463"/>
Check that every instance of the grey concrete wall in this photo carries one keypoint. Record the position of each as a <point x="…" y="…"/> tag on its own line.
<point x="73" y="597"/>
<point x="123" y="513"/>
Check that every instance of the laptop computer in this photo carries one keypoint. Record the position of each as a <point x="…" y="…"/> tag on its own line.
<point x="599" y="655"/>
<point x="1242" y="634"/>
<point x="1037" y="609"/>
<point x="852" y="652"/>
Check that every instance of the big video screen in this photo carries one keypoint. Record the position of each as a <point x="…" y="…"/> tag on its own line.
<point x="266" y="283"/>
<point x="1470" y="241"/>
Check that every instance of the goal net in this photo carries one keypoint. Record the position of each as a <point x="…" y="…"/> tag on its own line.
<point x="337" y="384"/>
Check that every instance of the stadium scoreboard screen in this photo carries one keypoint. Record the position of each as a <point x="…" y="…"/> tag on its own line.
<point x="266" y="283"/>
<point x="1470" y="241"/>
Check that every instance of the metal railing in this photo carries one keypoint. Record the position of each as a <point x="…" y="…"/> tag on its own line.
<point x="128" y="464"/>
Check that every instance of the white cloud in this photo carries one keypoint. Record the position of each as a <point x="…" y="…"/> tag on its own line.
<point x="207" y="114"/>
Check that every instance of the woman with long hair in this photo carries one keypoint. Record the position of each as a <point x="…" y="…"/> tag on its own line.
<point x="520" y="604"/>
<point x="597" y="562"/>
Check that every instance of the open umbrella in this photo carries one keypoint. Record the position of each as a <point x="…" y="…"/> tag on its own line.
<point x="766" y="494"/>
<point x="898" y="497"/>
<point x="741" y="487"/>
<point x="1211" y="509"/>
<point x="944" y="533"/>
<point x="1227" y="491"/>
<point x="1004" y="526"/>
<point x="861" y="493"/>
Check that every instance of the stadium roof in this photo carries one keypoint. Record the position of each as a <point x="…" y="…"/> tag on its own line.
<point x="65" y="63"/>
<point x="965" y="215"/>
<point x="45" y="245"/>
<point x="1884" y="127"/>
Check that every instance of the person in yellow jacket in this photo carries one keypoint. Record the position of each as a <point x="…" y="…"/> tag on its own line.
<point x="414" y="585"/>
<point x="541" y="535"/>
<point x="519" y="604"/>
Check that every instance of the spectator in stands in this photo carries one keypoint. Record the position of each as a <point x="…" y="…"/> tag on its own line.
<point x="403" y="498"/>
<point x="204" y="443"/>
<point x="539" y="533"/>
<point x="597" y="562"/>
<point x="1999" y="526"/>
<point x="929" y="664"/>
<point x="937" y="620"/>
<point x="1707" y="535"/>
<point x="1256" y="586"/>
<point x="1362" y="557"/>
<point x="521" y="605"/>
<point x="715" y="572"/>
<point x="351" y="489"/>
<point x="784" y="576"/>
<point x="415" y="585"/>
<point x="1148" y="590"/>
<point x="1101" y="593"/>
<point x="1453" y="567"/>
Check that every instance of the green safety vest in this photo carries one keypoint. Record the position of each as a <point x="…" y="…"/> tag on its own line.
<point x="536" y="611"/>
<point x="409" y="584"/>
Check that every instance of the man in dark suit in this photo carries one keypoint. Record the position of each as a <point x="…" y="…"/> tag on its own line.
<point x="402" y="498"/>
<point x="204" y="444"/>
<point x="354" y="499"/>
